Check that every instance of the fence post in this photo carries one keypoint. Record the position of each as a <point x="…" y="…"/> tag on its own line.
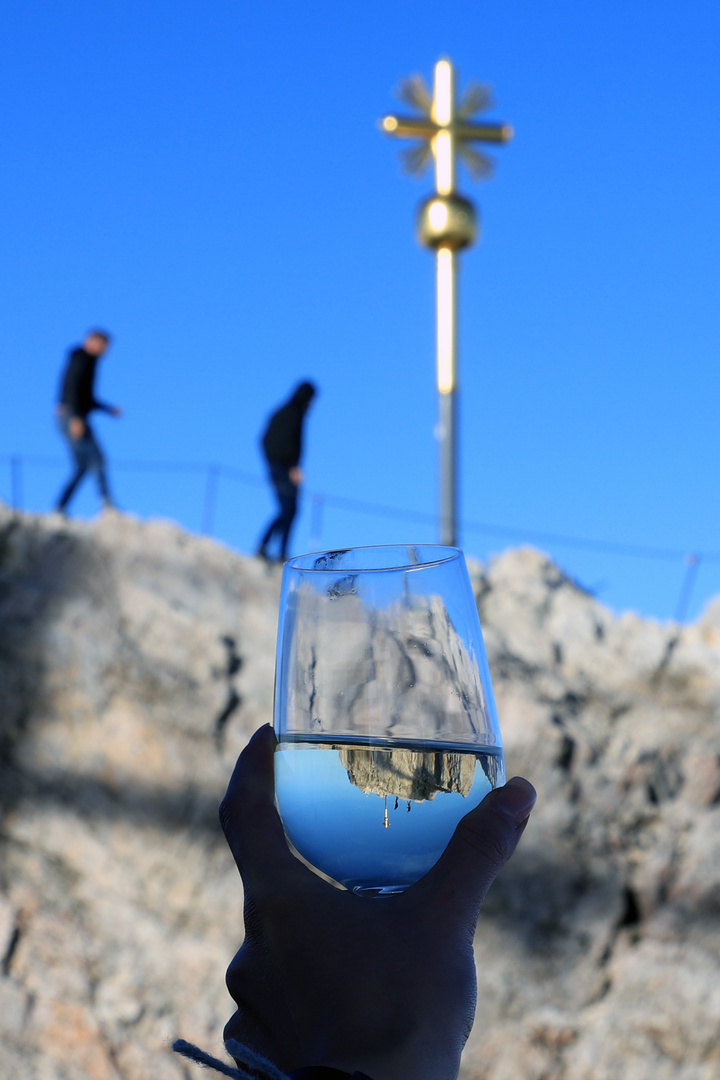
<point x="16" y="492"/>
<point x="692" y="564"/>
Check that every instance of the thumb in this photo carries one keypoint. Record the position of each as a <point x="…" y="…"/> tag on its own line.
<point x="479" y="848"/>
<point x="251" y="822"/>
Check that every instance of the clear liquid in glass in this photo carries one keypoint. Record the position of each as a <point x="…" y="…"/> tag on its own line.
<point x="376" y="817"/>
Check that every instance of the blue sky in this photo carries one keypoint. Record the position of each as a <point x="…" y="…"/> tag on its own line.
<point x="208" y="181"/>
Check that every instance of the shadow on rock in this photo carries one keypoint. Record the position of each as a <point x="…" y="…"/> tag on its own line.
<point x="39" y="571"/>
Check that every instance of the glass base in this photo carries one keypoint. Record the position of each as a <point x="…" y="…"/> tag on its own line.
<point x="379" y="890"/>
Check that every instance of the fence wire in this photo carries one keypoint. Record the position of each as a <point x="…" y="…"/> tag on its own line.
<point x="213" y="472"/>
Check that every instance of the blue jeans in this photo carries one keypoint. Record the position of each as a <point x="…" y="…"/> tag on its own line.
<point x="87" y="457"/>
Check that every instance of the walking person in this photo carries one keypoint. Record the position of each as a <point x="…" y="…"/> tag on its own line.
<point x="282" y="447"/>
<point x="77" y="401"/>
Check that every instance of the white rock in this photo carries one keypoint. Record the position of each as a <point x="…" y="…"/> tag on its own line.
<point x="135" y="660"/>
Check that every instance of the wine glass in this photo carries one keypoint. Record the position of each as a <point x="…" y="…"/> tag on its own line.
<point x="384" y="711"/>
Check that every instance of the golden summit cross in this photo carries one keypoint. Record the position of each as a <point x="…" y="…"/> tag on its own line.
<point x="447" y="223"/>
<point x="446" y="130"/>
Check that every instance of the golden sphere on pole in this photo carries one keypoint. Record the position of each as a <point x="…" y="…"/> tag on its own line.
<point x="447" y="221"/>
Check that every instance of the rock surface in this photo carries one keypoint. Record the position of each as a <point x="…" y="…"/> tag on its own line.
<point x="408" y="774"/>
<point x="135" y="660"/>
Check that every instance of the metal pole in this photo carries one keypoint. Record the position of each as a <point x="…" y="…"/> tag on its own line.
<point x="447" y="274"/>
<point x="16" y="495"/>
<point x="447" y="223"/>
<point x="692" y="563"/>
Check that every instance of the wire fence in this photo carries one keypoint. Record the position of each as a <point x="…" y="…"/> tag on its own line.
<point x="319" y="501"/>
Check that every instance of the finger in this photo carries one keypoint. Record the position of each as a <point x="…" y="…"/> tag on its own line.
<point x="479" y="848"/>
<point x="247" y="811"/>
<point x="251" y="823"/>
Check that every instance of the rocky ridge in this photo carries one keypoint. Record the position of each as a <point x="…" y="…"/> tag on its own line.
<point x="135" y="660"/>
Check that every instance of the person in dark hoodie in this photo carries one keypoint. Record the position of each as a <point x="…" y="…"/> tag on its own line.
<point x="77" y="401"/>
<point x="282" y="448"/>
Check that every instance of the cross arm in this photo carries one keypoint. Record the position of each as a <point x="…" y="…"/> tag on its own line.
<point x="417" y="127"/>
<point x="409" y="127"/>
<point x="494" y="133"/>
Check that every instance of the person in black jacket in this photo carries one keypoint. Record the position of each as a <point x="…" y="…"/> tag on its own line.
<point x="77" y="400"/>
<point x="282" y="447"/>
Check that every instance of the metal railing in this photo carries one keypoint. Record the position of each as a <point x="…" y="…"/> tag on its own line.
<point x="319" y="501"/>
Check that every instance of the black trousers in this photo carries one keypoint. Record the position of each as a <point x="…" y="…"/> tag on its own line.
<point x="287" y="495"/>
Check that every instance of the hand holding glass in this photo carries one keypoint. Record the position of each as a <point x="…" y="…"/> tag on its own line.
<point x="384" y="711"/>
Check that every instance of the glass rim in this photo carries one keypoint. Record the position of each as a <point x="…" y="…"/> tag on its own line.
<point x="444" y="553"/>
